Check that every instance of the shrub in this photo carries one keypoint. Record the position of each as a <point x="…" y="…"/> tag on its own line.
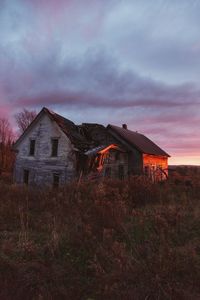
<point x="110" y="240"/>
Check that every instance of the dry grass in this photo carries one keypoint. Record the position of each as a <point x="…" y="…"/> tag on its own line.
<point x="111" y="240"/>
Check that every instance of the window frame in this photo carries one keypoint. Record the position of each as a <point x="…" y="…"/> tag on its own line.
<point x="26" y="176"/>
<point x="54" y="153"/>
<point x="121" y="171"/>
<point x="146" y="170"/>
<point x="32" y="147"/>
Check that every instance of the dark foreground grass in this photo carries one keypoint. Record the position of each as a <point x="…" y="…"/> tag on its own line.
<point x="111" y="240"/>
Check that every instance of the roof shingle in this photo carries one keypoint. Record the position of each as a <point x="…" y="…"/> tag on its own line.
<point x="137" y="140"/>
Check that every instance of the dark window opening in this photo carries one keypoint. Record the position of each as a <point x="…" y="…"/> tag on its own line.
<point x="108" y="172"/>
<point x="26" y="176"/>
<point x="117" y="156"/>
<point x="146" y="170"/>
<point x="32" y="147"/>
<point x="54" y="150"/>
<point x="56" y="180"/>
<point x="121" y="172"/>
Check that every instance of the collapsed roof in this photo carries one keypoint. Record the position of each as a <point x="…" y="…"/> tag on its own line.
<point x="88" y="136"/>
<point x="98" y="135"/>
<point x="84" y="136"/>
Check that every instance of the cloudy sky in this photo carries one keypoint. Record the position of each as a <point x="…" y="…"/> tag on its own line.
<point x="107" y="61"/>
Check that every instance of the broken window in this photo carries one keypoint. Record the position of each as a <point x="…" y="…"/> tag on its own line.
<point x="26" y="177"/>
<point x="32" y="147"/>
<point x="121" y="172"/>
<point x="54" y="149"/>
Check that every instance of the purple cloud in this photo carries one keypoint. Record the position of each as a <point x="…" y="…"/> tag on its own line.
<point x="106" y="61"/>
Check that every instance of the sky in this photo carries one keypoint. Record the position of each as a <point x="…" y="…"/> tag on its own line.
<point x="107" y="61"/>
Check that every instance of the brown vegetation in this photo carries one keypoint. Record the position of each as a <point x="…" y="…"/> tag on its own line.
<point x="111" y="240"/>
<point x="7" y="137"/>
<point x="6" y="142"/>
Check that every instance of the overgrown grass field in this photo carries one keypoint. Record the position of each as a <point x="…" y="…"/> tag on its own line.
<point x="111" y="240"/>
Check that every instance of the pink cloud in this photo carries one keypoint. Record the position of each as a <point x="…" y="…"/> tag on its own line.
<point x="5" y="111"/>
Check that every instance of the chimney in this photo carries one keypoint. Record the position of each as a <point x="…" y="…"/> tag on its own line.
<point x="124" y="126"/>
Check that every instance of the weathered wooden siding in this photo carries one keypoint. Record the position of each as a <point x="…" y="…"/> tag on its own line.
<point x="149" y="159"/>
<point x="155" y="164"/>
<point x="135" y="160"/>
<point x="113" y="161"/>
<point x="42" y="165"/>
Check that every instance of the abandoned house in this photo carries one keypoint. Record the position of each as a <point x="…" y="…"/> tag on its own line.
<point x="53" y="151"/>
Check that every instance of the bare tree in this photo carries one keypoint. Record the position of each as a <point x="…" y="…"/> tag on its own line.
<point x="24" y="118"/>
<point x="5" y="130"/>
<point x="6" y="141"/>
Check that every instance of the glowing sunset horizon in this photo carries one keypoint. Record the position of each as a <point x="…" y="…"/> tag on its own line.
<point x="133" y="62"/>
<point x="185" y="160"/>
